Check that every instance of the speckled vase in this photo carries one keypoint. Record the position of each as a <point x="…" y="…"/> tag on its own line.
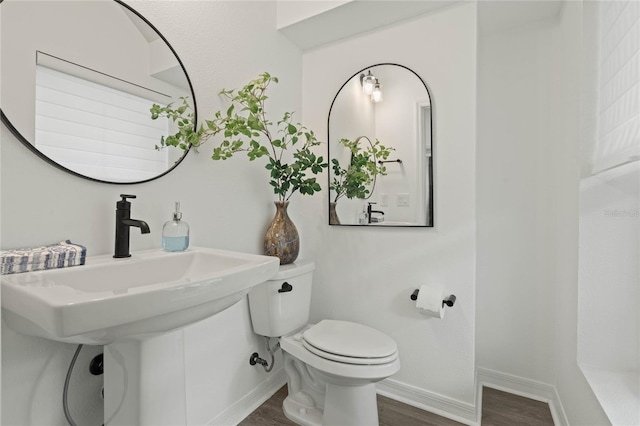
<point x="333" y="215"/>
<point x="282" y="239"/>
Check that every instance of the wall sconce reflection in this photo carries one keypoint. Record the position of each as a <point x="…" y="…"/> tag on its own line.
<point x="368" y="82"/>
<point x="376" y="95"/>
<point x="371" y="86"/>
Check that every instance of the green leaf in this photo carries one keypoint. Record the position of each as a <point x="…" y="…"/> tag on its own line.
<point x="245" y="121"/>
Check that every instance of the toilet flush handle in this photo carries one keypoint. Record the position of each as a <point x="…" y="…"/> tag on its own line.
<point x="286" y="287"/>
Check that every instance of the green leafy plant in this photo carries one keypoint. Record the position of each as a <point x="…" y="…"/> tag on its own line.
<point x="353" y="181"/>
<point x="244" y="126"/>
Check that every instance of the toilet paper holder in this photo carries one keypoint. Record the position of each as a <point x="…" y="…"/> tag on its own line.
<point x="449" y="300"/>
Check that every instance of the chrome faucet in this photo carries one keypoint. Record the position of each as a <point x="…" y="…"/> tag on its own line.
<point x="123" y="223"/>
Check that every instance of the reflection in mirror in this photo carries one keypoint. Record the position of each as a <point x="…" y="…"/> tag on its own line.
<point x="78" y="81"/>
<point x="357" y="178"/>
<point x="389" y="106"/>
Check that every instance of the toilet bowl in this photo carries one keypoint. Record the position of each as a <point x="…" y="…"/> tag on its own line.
<point x="331" y="366"/>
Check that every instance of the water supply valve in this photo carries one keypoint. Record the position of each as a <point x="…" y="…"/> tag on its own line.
<point x="255" y="359"/>
<point x="96" y="367"/>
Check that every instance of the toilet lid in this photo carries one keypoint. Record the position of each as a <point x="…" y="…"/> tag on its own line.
<point x="345" y="341"/>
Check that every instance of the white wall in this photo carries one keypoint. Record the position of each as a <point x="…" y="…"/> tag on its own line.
<point x="312" y="23"/>
<point x="578" y="400"/>
<point x="227" y="204"/>
<point x="514" y="180"/>
<point x="290" y="12"/>
<point x="528" y="175"/>
<point x="367" y="275"/>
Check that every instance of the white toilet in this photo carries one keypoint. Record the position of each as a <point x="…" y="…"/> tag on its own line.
<point x="332" y="366"/>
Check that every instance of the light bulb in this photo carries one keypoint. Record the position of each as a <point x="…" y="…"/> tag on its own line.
<point x="368" y="83"/>
<point x="376" y="94"/>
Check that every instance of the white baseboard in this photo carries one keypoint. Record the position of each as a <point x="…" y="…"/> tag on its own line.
<point x="429" y="401"/>
<point x="463" y="412"/>
<point x="251" y="401"/>
<point x="471" y="414"/>
<point x="524" y="387"/>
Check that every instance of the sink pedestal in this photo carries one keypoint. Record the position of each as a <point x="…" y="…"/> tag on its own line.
<point x="144" y="381"/>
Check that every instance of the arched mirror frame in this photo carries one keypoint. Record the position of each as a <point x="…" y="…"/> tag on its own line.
<point x="430" y="220"/>
<point x="5" y="120"/>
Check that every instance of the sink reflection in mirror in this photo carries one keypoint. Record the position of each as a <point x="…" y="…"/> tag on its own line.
<point x="393" y="112"/>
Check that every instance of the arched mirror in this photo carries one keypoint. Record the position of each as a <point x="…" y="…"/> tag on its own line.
<point x="78" y="80"/>
<point x="380" y="149"/>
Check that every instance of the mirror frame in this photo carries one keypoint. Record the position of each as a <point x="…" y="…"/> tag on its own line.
<point x="430" y="210"/>
<point x="5" y="120"/>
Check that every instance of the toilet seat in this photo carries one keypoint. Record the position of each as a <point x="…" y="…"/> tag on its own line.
<point x="293" y="345"/>
<point x="349" y="343"/>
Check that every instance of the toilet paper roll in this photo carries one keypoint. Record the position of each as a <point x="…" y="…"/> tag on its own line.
<point x="429" y="302"/>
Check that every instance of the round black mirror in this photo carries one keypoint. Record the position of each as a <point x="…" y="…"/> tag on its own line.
<point x="78" y="80"/>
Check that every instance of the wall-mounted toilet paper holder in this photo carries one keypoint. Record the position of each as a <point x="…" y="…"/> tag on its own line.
<point x="449" y="300"/>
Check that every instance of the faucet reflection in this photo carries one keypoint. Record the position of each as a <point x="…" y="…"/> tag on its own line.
<point x="370" y="214"/>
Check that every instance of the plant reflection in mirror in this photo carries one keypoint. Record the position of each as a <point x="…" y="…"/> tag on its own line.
<point x="243" y="126"/>
<point x="353" y="181"/>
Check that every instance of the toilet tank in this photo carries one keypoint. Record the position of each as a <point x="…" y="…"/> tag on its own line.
<point x="281" y="305"/>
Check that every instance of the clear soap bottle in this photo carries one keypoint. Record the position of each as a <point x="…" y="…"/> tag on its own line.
<point x="175" y="233"/>
<point x="363" y="217"/>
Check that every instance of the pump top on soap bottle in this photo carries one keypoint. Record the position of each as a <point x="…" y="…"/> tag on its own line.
<point x="175" y="233"/>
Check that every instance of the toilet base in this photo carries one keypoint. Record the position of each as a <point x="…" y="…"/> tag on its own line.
<point x="300" y="413"/>
<point x="344" y="406"/>
<point x="317" y="398"/>
<point x="350" y="405"/>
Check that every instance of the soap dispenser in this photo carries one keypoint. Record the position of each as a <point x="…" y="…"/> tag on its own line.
<point x="175" y="233"/>
<point x="363" y="217"/>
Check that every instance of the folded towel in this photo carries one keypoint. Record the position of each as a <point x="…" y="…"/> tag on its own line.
<point x="53" y="256"/>
<point x="63" y="249"/>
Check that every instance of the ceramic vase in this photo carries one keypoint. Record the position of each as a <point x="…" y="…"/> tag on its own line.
<point x="333" y="215"/>
<point x="281" y="239"/>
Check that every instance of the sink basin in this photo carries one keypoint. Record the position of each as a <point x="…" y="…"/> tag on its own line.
<point x="149" y="293"/>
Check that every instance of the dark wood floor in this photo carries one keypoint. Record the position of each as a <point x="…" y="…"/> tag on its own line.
<point x="498" y="409"/>
<point x="502" y="408"/>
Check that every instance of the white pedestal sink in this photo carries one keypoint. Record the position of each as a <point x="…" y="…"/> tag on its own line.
<point x="131" y="306"/>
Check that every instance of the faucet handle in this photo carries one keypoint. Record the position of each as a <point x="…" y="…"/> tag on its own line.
<point x="124" y="204"/>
